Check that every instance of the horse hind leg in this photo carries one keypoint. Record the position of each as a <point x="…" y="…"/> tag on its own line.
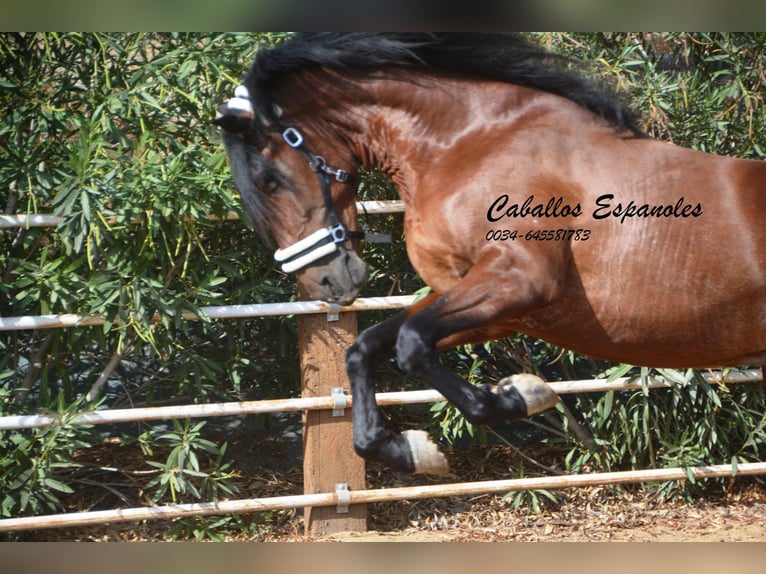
<point x="536" y="393"/>
<point x="514" y="397"/>
<point x="414" y="334"/>
<point x="413" y="450"/>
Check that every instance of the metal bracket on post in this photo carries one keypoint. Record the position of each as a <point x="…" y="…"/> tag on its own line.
<point x="340" y="402"/>
<point x="344" y="498"/>
<point x="333" y="312"/>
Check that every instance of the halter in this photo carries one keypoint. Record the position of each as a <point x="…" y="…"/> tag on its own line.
<point x="324" y="241"/>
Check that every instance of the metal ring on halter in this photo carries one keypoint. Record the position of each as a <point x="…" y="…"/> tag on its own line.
<point x="292" y="137"/>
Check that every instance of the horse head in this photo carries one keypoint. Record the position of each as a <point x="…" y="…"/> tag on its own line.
<point x="308" y="206"/>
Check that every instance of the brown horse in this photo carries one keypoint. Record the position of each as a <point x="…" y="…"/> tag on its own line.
<point x="533" y="204"/>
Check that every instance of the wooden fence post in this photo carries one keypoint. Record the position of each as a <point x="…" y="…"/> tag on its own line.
<point x="329" y="457"/>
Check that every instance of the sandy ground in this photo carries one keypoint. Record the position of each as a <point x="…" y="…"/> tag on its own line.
<point x="630" y="522"/>
<point x="728" y="511"/>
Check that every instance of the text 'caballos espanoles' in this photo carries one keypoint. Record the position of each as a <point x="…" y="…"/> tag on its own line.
<point x="603" y="208"/>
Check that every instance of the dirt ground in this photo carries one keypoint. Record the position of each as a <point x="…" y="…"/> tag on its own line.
<point x="733" y="512"/>
<point x="727" y="511"/>
<point x="719" y="521"/>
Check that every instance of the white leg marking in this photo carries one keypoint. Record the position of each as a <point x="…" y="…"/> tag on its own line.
<point x="425" y="454"/>
<point x="537" y="395"/>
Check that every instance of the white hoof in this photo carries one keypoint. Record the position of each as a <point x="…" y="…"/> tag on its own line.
<point x="537" y="395"/>
<point x="425" y="454"/>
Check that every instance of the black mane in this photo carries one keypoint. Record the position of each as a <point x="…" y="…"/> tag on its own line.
<point x="501" y="57"/>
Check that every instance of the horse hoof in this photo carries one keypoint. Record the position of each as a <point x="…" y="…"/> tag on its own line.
<point x="537" y="395"/>
<point x="425" y="454"/>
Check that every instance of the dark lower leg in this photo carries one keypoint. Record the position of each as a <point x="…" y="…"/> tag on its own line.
<point x="416" y="353"/>
<point x="372" y="439"/>
<point x="411" y="450"/>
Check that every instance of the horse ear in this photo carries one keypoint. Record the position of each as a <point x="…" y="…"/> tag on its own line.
<point x="234" y="121"/>
<point x="237" y="113"/>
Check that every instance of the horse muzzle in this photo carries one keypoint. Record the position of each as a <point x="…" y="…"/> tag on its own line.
<point x="335" y="278"/>
<point x="325" y="266"/>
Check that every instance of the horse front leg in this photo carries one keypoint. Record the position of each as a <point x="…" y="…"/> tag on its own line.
<point x="411" y="450"/>
<point x="472" y="309"/>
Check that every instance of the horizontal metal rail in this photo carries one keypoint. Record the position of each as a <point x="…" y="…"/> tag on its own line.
<point x="49" y="220"/>
<point x="244" y="311"/>
<point x="325" y="403"/>
<point x="376" y="495"/>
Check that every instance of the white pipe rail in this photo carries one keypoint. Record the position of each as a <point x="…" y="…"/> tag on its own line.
<point x="113" y="416"/>
<point x="30" y="220"/>
<point x="217" y="312"/>
<point x="48" y="220"/>
<point x="376" y="495"/>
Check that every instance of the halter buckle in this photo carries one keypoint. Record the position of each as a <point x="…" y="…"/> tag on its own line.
<point x="292" y="137"/>
<point x="338" y="233"/>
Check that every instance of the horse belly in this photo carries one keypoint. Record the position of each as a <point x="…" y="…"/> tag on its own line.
<point x="627" y="340"/>
<point x="674" y="291"/>
<point x="661" y="319"/>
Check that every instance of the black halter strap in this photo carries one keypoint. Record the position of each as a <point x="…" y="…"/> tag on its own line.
<point x="318" y="164"/>
<point x="326" y="240"/>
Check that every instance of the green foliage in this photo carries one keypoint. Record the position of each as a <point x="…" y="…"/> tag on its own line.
<point x="183" y="477"/>
<point x="181" y="473"/>
<point x="32" y="463"/>
<point x="113" y="133"/>
<point x="220" y="528"/>
<point x="529" y="501"/>
<point x="692" y="423"/>
<point x="703" y="91"/>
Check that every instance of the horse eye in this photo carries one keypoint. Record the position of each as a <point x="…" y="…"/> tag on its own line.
<point x="271" y="186"/>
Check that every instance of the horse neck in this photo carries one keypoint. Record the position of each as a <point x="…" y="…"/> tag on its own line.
<point x="397" y="126"/>
<point x="406" y="124"/>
